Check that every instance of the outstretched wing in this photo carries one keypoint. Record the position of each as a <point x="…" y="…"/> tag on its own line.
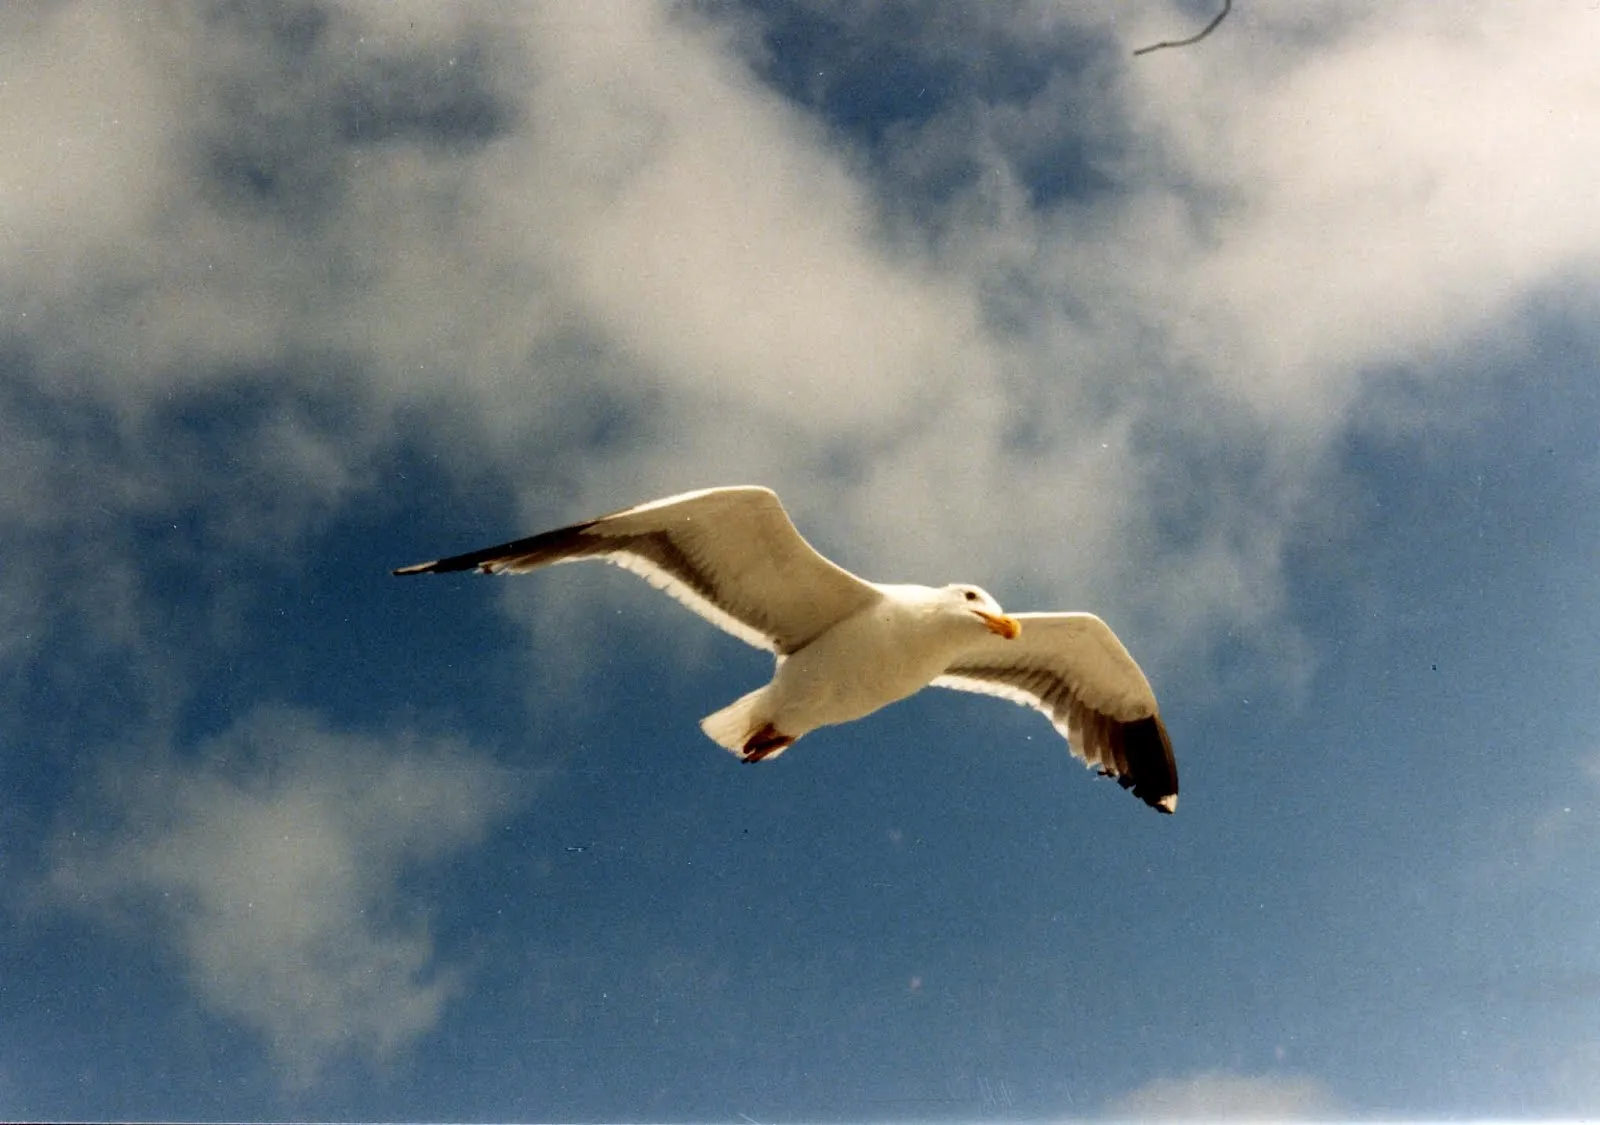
<point x="730" y="554"/>
<point x="1072" y="667"/>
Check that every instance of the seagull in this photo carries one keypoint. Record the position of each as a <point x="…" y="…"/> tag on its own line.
<point x="846" y="647"/>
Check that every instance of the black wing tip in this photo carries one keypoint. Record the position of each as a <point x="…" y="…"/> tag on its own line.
<point x="438" y="566"/>
<point x="545" y="547"/>
<point x="1152" y="772"/>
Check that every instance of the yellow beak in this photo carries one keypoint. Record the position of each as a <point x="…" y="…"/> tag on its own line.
<point x="1000" y="624"/>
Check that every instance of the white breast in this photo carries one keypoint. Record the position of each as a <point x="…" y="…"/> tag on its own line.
<point x="884" y="653"/>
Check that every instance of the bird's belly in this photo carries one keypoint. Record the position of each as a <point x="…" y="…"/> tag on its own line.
<point x="846" y="675"/>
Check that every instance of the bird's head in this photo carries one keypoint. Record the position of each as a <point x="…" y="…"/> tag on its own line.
<point x="981" y="605"/>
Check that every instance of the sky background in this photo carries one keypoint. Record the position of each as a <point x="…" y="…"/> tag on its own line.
<point x="1279" y="352"/>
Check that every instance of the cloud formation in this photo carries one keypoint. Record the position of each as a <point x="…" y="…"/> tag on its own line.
<point x="983" y="297"/>
<point x="1398" y="186"/>
<point x="1219" y="1096"/>
<point x="271" y="862"/>
<point x="511" y="235"/>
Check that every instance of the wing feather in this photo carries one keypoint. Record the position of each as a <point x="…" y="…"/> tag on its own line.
<point x="732" y="555"/>
<point x="1072" y="667"/>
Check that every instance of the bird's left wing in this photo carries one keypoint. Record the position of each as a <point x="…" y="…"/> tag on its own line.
<point x="1072" y="667"/>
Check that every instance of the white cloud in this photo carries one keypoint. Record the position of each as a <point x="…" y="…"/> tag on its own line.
<point x="271" y="863"/>
<point x="1220" y="1096"/>
<point x="1374" y="195"/>
<point x="1316" y="200"/>
<point x="85" y="137"/>
<point x="707" y="227"/>
<point x="1536" y="850"/>
<point x="643" y="225"/>
<point x="1123" y="402"/>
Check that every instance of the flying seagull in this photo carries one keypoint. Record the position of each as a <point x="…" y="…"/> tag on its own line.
<point x="846" y="647"/>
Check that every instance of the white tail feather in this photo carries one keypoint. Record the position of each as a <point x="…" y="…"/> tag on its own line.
<point x="732" y="726"/>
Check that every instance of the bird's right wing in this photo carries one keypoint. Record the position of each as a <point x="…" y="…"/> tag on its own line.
<point x="730" y="554"/>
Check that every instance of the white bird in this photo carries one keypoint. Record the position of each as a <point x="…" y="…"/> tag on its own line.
<point x="846" y="647"/>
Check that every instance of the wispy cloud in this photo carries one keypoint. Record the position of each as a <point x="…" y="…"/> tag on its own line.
<point x="528" y="239"/>
<point x="271" y="860"/>
<point x="1394" y="190"/>
<point x="1220" y="1096"/>
<point x="1541" y="843"/>
<point x="1087" y="330"/>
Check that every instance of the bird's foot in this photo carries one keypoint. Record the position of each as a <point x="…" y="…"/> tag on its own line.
<point x="767" y="742"/>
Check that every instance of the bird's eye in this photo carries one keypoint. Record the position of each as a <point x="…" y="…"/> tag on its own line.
<point x="972" y="595"/>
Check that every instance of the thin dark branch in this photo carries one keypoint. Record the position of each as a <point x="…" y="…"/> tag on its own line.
<point x="1227" y="6"/>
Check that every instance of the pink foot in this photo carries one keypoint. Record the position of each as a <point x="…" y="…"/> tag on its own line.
<point x="764" y="743"/>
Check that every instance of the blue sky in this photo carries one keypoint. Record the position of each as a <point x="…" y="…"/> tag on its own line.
<point x="1277" y="352"/>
